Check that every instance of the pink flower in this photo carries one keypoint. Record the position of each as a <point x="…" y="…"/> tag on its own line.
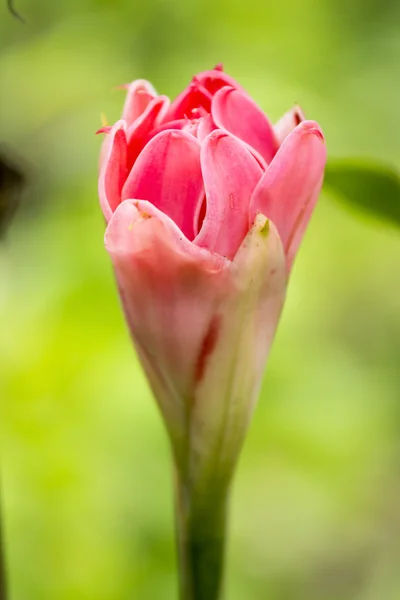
<point x="206" y="203"/>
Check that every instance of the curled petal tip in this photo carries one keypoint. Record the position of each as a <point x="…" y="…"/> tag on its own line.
<point x="318" y="133"/>
<point x="216" y="134"/>
<point x="314" y="128"/>
<point x="104" y="129"/>
<point x="219" y="67"/>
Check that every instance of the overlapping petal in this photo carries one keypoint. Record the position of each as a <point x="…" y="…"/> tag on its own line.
<point x="170" y="290"/>
<point x="240" y="336"/>
<point x="288" y="122"/>
<point x="142" y="128"/>
<point x="198" y="94"/>
<point x="230" y="174"/>
<point x="113" y="168"/>
<point x="288" y="190"/>
<point x="168" y="174"/>
<point x="237" y="113"/>
<point x="139" y="95"/>
<point x="215" y="79"/>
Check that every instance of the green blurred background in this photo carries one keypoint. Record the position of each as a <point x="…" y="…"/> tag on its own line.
<point x="86" y="467"/>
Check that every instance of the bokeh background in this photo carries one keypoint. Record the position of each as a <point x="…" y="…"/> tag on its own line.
<point x="87" y="494"/>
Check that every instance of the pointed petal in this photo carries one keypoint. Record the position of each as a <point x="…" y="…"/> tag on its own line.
<point x="230" y="174"/>
<point x="168" y="174"/>
<point x="140" y="94"/>
<point x="288" y="122"/>
<point x="287" y="192"/>
<point x="113" y="169"/>
<point x="141" y="130"/>
<point x="237" y="113"/>
<point x="168" y="289"/>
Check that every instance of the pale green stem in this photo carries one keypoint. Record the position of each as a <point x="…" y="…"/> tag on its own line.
<point x="201" y="531"/>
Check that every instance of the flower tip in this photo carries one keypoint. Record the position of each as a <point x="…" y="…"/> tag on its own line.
<point x="261" y="224"/>
<point x="219" y="67"/>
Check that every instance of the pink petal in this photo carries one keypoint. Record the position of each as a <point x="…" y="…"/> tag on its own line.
<point x="177" y="124"/>
<point x="120" y="239"/>
<point x="288" y="122"/>
<point x="230" y="174"/>
<point x="206" y="126"/>
<point x="140" y="94"/>
<point x="113" y="169"/>
<point x="188" y="103"/>
<point x="237" y="113"/>
<point x="288" y="191"/>
<point x="199" y="92"/>
<point x="139" y="132"/>
<point x="215" y="79"/>
<point x="169" y="290"/>
<point x="168" y="174"/>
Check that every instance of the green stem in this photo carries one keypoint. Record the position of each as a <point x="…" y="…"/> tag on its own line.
<point x="200" y="527"/>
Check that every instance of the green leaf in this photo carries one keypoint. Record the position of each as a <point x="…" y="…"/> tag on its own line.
<point x="371" y="187"/>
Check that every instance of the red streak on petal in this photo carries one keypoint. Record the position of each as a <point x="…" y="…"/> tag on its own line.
<point x="209" y="343"/>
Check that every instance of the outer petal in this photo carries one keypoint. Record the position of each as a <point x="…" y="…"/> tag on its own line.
<point x="140" y="94"/>
<point x="168" y="174"/>
<point x="113" y="169"/>
<point x="169" y="290"/>
<point x="288" y="122"/>
<point x="230" y="174"/>
<point x="230" y="377"/>
<point x="289" y="189"/>
<point x="237" y="113"/>
<point x="202" y="327"/>
<point x="140" y="131"/>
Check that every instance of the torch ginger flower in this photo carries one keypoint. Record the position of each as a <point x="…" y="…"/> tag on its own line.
<point x="206" y="204"/>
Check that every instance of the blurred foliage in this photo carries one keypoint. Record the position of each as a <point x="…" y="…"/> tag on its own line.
<point x="86" y="466"/>
<point x="12" y="182"/>
<point x="368" y="186"/>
